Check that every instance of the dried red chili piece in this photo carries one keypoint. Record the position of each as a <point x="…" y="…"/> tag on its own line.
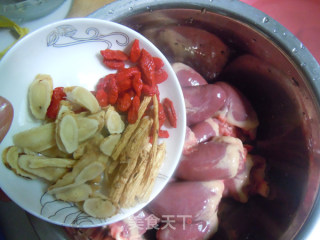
<point x="57" y="95"/>
<point x="170" y="112"/>
<point x="137" y="84"/>
<point x="163" y="133"/>
<point x="113" y="64"/>
<point x="158" y="63"/>
<point x="147" y="66"/>
<point x="110" y="54"/>
<point x="133" y="110"/>
<point x="112" y="89"/>
<point x="124" y="102"/>
<point x="135" y="51"/>
<point x="102" y="98"/>
<point x="160" y="76"/>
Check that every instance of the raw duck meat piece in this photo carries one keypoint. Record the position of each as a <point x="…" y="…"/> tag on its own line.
<point x="238" y="187"/>
<point x="220" y="158"/>
<point x="237" y="110"/>
<point x="195" y="47"/>
<point x="200" y="132"/>
<point x="190" y="141"/>
<point x="205" y="130"/>
<point x="187" y="76"/>
<point x="250" y="180"/>
<point x="202" y="102"/>
<point x="188" y="210"/>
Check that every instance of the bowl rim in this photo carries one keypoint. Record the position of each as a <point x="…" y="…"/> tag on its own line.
<point x="149" y="45"/>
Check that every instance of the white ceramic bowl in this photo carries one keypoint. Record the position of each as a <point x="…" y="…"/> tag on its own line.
<point x="69" y="51"/>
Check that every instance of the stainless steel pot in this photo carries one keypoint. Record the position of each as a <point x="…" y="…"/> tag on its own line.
<point x="285" y="94"/>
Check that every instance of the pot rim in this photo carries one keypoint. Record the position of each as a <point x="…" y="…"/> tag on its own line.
<point x="277" y="33"/>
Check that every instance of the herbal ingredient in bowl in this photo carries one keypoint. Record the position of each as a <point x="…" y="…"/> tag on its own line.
<point x="98" y="149"/>
<point x="219" y="159"/>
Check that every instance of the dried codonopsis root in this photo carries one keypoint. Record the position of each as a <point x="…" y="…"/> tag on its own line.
<point x="129" y="157"/>
<point x="130" y="129"/>
<point x="40" y="92"/>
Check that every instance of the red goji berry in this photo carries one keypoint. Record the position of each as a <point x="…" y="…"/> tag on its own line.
<point x="102" y="98"/>
<point x="133" y="110"/>
<point x="163" y="133"/>
<point x="123" y="102"/>
<point x="161" y="115"/>
<point x="170" y="112"/>
<point x="137" y="84"/>
<point x="112" y="89"/>
<point x="113" y="64"/>
<point x="110" y="54"/>
<point x="158" y="63"/>
<point x="160" y="76"/>
<point x="149" y="91"/>
<point x="57" y="95"/>
<point x="147" y="66"/>
<point x="124" y="85"/>
<point x="135" y="51"/>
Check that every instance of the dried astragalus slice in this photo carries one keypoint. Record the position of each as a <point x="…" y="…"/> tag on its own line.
<point x="83" y="97"/>
<point x="109" y="143"/>
<point x="99" y="116"/>
<point x="90" y="172"/>
<point x="37" y="139"/>
<point x="87" y="128"/>
<point x="69" y="177"/>
<point x="51" y="174"/>
<point x="74" y="193"/>
<point x="113" y="121"/>
<point x="10" y="158"/>
<point x="40" y="92"/>
<point x="99" y="207"/>
<point x="42" y="162"/>
<point x="67" y="133"/>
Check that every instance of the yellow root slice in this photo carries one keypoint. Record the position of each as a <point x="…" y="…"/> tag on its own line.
<point x="40" y="92"/>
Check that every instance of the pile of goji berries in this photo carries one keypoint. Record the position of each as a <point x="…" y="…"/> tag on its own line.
<point x="125" y="88"/>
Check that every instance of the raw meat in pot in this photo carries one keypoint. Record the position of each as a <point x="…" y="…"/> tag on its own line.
<point x="190" y="141"/>
<point x="205" y="130"/>
<point x="220" y="158"/>
<point x="187" y="76"/>
<point x="195" y="47"/>
<point x="237" y="110"/>
<point x="188" y="209"/>
<point x="203" y="102"/>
